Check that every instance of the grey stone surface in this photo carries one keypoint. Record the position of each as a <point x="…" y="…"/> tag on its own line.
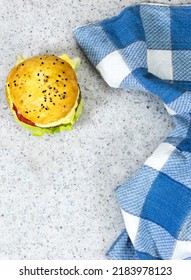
<point x="57" y="195"/>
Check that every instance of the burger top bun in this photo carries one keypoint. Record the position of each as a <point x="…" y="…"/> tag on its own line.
<point x="44" y="89"/>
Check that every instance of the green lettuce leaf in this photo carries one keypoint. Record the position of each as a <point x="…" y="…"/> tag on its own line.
<point x="20" y="59"/>
<point x="39" y="131"/>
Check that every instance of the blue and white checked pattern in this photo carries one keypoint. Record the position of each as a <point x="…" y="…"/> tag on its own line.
<point x="148" y="47"/>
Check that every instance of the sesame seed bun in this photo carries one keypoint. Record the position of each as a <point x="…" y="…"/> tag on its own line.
<point x="44" y="89"/>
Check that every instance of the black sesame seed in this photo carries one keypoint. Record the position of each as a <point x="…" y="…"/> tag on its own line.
<point x="59" y="75"/>
<point x="62" y="62"/>
<point x="57" y="80"/>
<point x="66" y="79"/>
<point x="54" y="63"/>
<point x="22" y="64"/>
<point x="38" y="117"/>
<point x="44" y="91"/>
<point x="29" y="95"/>
<point x="38" y="74"/>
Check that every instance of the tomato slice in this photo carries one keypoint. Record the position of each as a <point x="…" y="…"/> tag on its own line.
<point x="21" y="118"/>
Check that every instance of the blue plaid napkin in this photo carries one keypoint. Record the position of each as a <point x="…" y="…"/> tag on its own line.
<point x="148" y="47"/>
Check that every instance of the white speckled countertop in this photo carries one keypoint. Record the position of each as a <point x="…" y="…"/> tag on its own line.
<point x="57" y="195"/>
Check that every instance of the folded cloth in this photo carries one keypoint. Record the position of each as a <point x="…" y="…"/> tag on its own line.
<point x="148" y="47"/>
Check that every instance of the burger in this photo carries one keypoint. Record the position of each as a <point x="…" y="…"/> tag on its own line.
<point x="43" y="93"/>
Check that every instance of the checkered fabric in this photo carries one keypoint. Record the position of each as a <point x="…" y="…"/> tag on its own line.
<point x="148" y="47"/>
